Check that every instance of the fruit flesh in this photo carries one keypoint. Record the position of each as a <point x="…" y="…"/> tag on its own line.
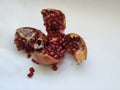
<point x="54" y="21"/>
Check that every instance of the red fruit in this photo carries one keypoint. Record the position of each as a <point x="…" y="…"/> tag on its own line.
<point x="29" y="39"/>
<point x="76" y="46"/>
<point x="50" y="49"/>
<point x="54" y="20"/>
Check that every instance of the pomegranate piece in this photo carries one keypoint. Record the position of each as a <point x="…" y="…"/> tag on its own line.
<point x="53" y="52"/>
<point x="76" y="46"/>
<point x="54" y="21"/>
<point x="29" y="39"/>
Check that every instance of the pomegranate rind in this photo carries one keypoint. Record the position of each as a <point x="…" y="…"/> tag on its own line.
<point x="81" y="54"/>
<point x="45" y="58"/>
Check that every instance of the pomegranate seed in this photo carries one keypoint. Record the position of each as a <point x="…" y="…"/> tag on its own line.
<point x="51" y="53"/>
<point x="28" y="55"/>
<point x="32" y="69"/>
<point x="30" y="74"/>
<point x="33" y="60"/>
<point x="54" y="67"/>
<point x="56" y="56"/>
<point x="54" y="45"/>
<point x="23" y="43"/>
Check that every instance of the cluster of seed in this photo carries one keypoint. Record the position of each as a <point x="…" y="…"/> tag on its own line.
<point x="20" y="42"/>
<point x="54" y="47"/>
<point x="72" y="43"/>
<point x="54" y="20"/>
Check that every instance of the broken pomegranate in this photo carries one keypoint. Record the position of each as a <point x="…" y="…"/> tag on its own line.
<point x="51" y="48"/>
<point x="31" y="69"/>
<point x="54" y="21"/>
<point x="76" y="46"/>
<point x="29" y="39"/>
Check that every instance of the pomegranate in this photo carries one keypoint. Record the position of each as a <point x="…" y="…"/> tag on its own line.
<point x="76" y="46"/>
<point x="54" y="20"/>
<point x="50" y="49"/>
<point x="29" y="39"/>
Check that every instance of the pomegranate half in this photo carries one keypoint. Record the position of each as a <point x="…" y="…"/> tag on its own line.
<point x="76" y="46"/>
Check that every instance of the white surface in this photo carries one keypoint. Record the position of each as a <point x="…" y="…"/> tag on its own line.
<point x="97" y="21"/>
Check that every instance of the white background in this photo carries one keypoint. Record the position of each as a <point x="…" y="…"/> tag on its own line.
<point x="97" y="21"/>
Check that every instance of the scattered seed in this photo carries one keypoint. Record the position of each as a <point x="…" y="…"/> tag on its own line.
<point x="28" y="55"/>
<point x="32" y="69"/>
